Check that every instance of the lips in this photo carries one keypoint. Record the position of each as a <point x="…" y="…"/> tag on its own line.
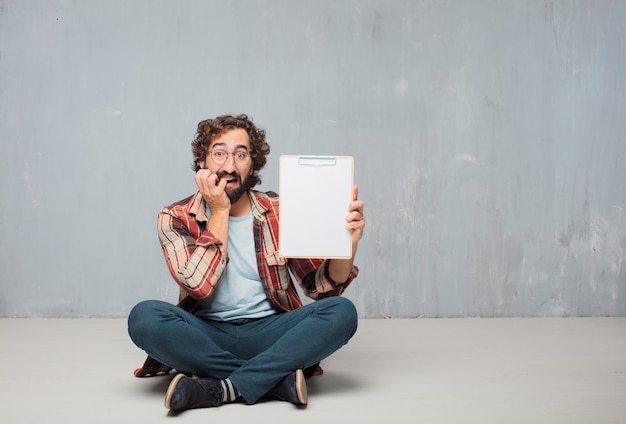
<point x="230" y="179"/>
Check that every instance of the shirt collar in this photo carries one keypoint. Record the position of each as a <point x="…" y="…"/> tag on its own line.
<point x="259" y="206"/>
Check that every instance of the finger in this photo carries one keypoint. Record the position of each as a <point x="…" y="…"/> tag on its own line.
<point x="212" y="180"/>
<point x="354" y="215"/>
<point x="201" y="177"/>
<point x="355" y="226"/>
<point x="355" y="192"/>
<point x="202" y="173"/>
<point x="356" y="206"/>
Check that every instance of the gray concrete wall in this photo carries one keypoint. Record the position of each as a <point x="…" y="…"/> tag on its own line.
<point x="488" y="138"/>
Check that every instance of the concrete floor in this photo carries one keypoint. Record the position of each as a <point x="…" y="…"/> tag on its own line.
<point x="526" y="370"/>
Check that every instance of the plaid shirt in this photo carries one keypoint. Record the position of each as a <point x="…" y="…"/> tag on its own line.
<point x="196" y="259"/>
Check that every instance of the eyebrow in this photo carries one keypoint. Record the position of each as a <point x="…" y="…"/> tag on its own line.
<point x="238" y="147"/>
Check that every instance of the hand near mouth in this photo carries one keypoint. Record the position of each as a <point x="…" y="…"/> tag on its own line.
<point x="213" y="189"/>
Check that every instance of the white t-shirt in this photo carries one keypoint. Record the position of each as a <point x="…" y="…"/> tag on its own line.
<point x="239" y="293"/>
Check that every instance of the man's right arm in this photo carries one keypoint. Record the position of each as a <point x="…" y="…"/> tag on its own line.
<point x="195" y="256"/>
<point x="214" y="194"/>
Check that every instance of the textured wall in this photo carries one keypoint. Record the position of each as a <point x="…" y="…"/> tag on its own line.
<point x="488" y="138"/>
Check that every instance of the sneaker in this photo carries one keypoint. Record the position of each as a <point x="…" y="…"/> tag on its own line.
<point x="188" y="393"/>
<point x="291" y="388"/>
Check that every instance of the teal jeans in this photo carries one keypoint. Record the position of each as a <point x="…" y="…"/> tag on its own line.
<point x="255" y="354"/>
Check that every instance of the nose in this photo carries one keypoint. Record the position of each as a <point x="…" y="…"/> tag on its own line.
<point x="229" y="164"/>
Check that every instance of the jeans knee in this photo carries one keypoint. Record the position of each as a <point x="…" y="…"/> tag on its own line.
<point x="348" y="309"/>
<point x="346" y="313"/>
<point x="141" y="319"/>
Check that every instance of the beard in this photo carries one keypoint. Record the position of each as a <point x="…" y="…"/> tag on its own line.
<point x="236" y="193"/>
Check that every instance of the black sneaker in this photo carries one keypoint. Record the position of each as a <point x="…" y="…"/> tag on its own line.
<point x="189" y="393"/>
<point x="291" y="388"/>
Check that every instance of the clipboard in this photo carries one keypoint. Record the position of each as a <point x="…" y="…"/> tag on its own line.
<point x="315" y="192"/>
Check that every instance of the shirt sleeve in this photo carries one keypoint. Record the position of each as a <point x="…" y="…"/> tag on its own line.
<point x="313" y="276"/>
<point x="194" y="256"/>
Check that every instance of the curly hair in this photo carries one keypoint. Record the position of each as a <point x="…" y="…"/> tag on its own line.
<point x="209" y="129"/>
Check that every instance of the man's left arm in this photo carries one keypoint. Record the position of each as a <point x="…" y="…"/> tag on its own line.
<point x="340" y="270"/>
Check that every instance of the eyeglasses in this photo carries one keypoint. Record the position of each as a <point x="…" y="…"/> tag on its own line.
<point x="220" y="156"/>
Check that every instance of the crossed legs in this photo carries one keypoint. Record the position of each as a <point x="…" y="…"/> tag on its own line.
<point x="255" y="354"/>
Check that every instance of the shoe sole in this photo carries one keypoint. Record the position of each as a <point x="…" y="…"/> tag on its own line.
<point x="301" y="390"/>
<point x="171" y="388"/>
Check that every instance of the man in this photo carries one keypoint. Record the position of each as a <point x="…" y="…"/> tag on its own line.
<point x="240" y="330"/>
